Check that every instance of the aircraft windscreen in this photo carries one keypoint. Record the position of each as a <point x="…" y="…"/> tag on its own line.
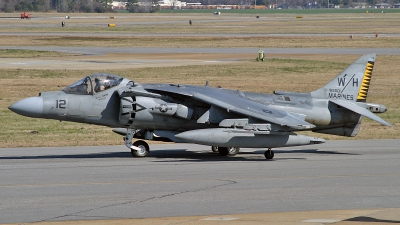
<point x="82" y="87"/>
<point x="100" y="81"/>
<point x="104" y="81"/>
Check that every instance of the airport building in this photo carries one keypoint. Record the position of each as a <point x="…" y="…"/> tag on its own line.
<point x="172" y="3"/>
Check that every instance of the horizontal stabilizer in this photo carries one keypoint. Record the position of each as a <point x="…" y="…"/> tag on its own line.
<point x="360" y="110"/>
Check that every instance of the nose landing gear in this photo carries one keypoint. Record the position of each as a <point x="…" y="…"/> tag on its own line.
<point x="138" y="148"/>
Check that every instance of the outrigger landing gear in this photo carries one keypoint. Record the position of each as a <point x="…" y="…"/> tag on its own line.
<point x="269" y="154"/>
<point x="138" y="148"/>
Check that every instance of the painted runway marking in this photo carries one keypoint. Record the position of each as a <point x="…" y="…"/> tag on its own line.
<point x="320" y="221"/>
<point x="219" y="219"/>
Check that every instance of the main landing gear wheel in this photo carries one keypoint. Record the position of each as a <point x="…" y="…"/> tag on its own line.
<point x="144" y="149"/>
<point x="231" y="151"/>
<point x="269" y="154"/>
<point x="223" y="151"/>
<point x="214" y="148"/>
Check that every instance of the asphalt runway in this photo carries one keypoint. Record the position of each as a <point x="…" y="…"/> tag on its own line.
<point x="361" y="178"/>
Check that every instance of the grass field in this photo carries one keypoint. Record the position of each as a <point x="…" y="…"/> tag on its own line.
<point x="300" y="73"/>
<point x="284" y="11"/>
<point x="202" y="23"/>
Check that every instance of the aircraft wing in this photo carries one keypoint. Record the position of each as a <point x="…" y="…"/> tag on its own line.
<point x="235" y="102"/>
<point x="256" y="110"/>
<point x="360" y="110"/>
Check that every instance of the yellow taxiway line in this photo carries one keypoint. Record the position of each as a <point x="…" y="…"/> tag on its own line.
<point x="337" y="217"/>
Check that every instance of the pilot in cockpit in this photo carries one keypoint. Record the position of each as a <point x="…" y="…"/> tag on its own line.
<point x="100" y="86"/>
<point x="101" y="82"/>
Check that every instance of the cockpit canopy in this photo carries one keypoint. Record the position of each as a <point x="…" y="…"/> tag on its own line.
<point x="94" y="83"/>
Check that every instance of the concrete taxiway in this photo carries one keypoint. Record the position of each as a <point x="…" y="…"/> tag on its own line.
<point x="346" y="182"/>
<point x="180" y="50"/>
<point x="103" y="58"/>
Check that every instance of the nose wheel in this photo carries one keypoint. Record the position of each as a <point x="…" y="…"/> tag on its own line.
<point x="138" y="148"/>
<point x="269" y="154"/>
<point x="143" y="149"/>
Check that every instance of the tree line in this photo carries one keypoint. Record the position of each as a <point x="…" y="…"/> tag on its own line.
<point x="86" y="6"/>
<point x="296" y="3"/>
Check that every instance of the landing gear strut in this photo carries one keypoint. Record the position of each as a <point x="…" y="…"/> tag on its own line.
<point x="138" y="148"/>
<point x="269" y="154"/>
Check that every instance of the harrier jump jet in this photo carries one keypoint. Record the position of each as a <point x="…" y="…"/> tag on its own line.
<point x="222" y="118"/>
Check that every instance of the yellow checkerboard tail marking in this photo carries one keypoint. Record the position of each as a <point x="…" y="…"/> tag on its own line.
<point x="362" y="94"/>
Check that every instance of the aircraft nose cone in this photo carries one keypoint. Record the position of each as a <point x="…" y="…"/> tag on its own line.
<point x="31" y="107"/>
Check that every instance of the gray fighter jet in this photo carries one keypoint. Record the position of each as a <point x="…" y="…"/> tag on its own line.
<point x="224" y="119"/>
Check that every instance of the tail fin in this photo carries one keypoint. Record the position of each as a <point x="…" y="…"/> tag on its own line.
<point x="352" y="84"/>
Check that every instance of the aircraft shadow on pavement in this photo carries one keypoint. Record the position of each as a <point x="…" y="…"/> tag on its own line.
<point x="371" y="219"/>
<point x="172" y="155"/>
<point x="256" y="155"/>
<point x="184" y="155"/>
<point x="313" y="151"/>
<point x="74" y="156"/>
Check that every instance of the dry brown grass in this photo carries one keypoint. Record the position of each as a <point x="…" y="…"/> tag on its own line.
<point x="209" y="42"/>
<point x="207" y="23"/>
<point x="362" y="26"/>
